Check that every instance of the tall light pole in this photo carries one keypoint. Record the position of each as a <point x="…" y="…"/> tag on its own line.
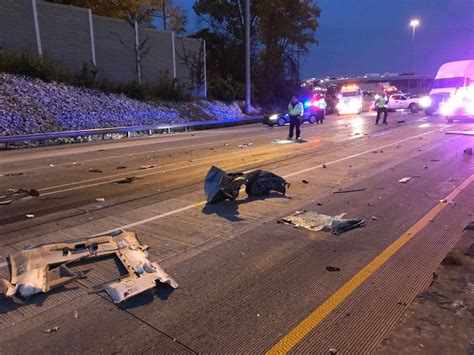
<point x="414" y="24"/>
<point x="247" y="56"/>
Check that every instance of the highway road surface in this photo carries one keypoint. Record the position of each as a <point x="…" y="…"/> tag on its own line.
<point x="247" y="284"/>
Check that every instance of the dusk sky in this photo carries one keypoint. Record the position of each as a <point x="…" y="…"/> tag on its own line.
<point x="372" y="36"/>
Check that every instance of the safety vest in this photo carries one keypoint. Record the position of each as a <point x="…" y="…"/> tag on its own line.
<point x="296" y="109"/>
<point x="382" y="102"/>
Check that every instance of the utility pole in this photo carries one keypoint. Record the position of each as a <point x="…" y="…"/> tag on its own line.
<point x="247" y="56"/>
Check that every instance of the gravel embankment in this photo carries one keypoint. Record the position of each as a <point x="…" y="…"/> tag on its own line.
<point x="32" y="106"/>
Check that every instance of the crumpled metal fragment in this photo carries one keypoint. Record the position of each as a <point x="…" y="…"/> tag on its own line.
<point x="319" y="222"/>
<point x="40" y="268"/>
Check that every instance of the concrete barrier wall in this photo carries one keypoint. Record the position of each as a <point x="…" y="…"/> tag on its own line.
<point x="67" y="37"/>
<point x="17" y="29"/>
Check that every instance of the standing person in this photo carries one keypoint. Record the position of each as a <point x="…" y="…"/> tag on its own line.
<point x="322" y="110"/>
<point x="296" y="112"/>
<point x="381" y="105"/>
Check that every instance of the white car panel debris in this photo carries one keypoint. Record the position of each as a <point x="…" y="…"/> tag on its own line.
<point x="40" y="268"/>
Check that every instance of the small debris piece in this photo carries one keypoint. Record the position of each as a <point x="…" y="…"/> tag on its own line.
<point x="470" y="226"/>
<point x="470" y="250"/>
<point x="50" y="330"/>
<point x="121" y="167"/>
<point x="127" y="180"/>
<point x="434" y="160"/>
<point x="144" y="167"/>
<point x="100" y="199"/>
<point x="324" y="166"/>
<point x="370" y="204"/>
<point x="404" y="180"/>
<point x="226" y="144"/>
<point x="381" y="151"/>
<point x="374" y="218"/>
<point x="468" y="151"/>
<point x="332" y="269"/>
<point x="51" y="165"/>
<point x="95" y="170"/>
<point x="75" y="314"/>
<point x="319" y="204"/>
<point x="14" y="174"/>
<point x="443" y="201"/>
<point x="29" y="215"/>
<point x="347" y="191"/>
<point x="425" y="167"/>
<point x="305" y="181"/>
<point x="4" y="203"/>
<point x="245" y="145"/>
<point x="401" y="121"/>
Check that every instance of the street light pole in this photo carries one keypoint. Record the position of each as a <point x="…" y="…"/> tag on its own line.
<point x="414" y="24"/>
<point x="247" y="56"/>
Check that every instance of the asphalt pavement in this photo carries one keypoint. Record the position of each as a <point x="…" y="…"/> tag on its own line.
<point x="247" y="283"/>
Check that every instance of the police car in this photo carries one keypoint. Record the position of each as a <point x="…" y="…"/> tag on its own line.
<point x="314" y="111"/>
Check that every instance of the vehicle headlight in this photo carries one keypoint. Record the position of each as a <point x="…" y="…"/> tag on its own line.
<point x="273" y="117"/>
<point x="425" y="102"/>
<point x="447" y="109"/>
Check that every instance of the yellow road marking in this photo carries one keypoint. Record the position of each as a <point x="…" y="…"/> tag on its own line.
<point x="290" y="340"/>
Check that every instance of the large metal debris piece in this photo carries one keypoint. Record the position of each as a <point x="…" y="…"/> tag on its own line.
<point x="40" y="268"/>
<point x="319" y="222"/>
<point x="220" y="186"/>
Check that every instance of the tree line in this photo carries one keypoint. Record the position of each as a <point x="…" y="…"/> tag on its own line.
<point x="281" y="33"/>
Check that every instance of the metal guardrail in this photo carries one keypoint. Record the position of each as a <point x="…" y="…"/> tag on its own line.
<point x="6" y="140"/>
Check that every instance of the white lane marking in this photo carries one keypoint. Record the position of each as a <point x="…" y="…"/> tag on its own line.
<point x="366" y="122"/>
<point x="201" y="203"/>
<point x="113" y="177"/>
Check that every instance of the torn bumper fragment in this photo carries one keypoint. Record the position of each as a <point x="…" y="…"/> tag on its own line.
<point x="40" y="268"/>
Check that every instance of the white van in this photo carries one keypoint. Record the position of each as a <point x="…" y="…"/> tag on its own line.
<point x="452" y="91"/>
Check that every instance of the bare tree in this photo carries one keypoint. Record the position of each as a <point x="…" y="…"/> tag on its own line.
<point x="194" y="62"/>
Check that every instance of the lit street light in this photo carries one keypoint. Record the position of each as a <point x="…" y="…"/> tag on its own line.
<point x="247" y="57"/>
<point x="414" y="24"/>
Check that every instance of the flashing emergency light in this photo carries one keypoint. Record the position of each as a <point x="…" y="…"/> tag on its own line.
<point x="307" y="104"/>
<point x="352" y="87"/>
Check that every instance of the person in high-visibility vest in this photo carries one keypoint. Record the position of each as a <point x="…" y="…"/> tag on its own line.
<point x="296" y="112"/>
<point x="322" y="110"/>
<point x="381" y="105"/>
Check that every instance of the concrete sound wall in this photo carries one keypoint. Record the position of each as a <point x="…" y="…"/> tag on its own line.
<point x="72" y="36"/>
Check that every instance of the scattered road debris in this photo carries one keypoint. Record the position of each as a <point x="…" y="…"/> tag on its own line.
<point x="95" y="170"/>
<point x="468" y="151"/>
<point x="14" y="174"/>
<point x="16" y="194"/>
<point x="401" y="121"/>
<point x="29" y="215"/>
<point x="461" y="133"/>
<point x="6" y="202"/>
<point x="127" y="180"/>
<point x="305" y="181"/>
<point x="51" y="330"/>
<point x="332" y="268"/>
<point x="261" y="183"/>
<point x="144" y="167"/>
<point x="100" y="199"/>
<point x="319" y="222"/>
<point x="41" y="268"/>
<point x="245" y="145"/>
<point x="121" y="167"/>
<point x="404" y="180"/>
<point x="348" y="191"/>
<point x="221" y="186"/>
